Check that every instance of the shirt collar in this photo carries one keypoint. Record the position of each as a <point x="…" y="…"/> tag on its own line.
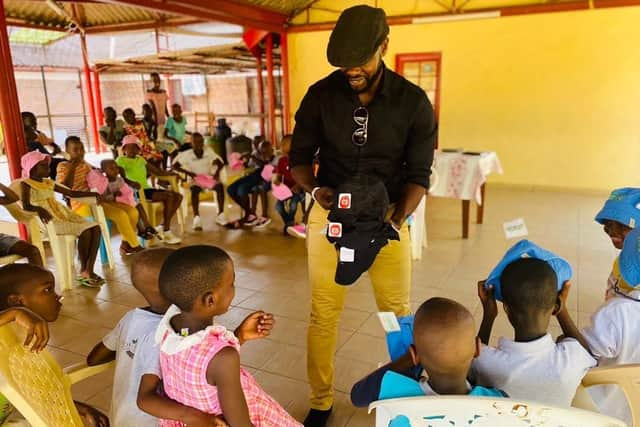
<point x="544" y="343"/>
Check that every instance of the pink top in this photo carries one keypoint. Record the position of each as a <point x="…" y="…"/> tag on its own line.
<point x="184" y="362"/>
<point x="159" y="100"/>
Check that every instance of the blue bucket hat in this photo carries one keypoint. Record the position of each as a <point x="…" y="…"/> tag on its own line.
<point x="527" y="249"/>
<point x="630" y="258"/>
<point x="623" y="206"/>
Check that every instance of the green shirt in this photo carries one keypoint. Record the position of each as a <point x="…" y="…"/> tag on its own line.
<point x="176" y="130"/>
<point x="134" y="169"/>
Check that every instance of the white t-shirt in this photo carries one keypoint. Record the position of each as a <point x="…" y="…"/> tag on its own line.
<point x="136" y="355"/>
<point x="200" y="166"/>
<point x="541" y="370"/>
<point x="613" y="337"/>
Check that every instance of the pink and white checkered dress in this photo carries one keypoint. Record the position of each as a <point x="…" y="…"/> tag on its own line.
<point x="184" y="362"/>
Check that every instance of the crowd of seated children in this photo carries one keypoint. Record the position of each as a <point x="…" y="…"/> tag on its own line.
<point x="38" y="141"/>
<point x="205" y="170"/>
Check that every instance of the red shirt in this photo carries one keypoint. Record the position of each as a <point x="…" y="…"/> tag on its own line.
<point x="283" y="169"/>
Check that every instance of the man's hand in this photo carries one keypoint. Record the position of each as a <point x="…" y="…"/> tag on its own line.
<point x="325" y="197"/>
<point x="36" y="327"/>
<point x="44" y="215"/>
<point x="201" y="419"/>
<point x="488" y="300"/>
<point x="254" y="326"/>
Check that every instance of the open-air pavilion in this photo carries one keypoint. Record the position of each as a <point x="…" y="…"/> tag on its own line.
<point x="546" y="90"/>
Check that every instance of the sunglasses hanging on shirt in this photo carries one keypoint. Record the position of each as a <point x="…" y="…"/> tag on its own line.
<point x="359" y="136"/>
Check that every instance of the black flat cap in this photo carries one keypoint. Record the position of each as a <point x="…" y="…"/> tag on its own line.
<point x="356" y="36"/>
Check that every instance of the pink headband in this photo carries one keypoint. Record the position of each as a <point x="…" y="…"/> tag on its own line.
<point x="29" y="160"/>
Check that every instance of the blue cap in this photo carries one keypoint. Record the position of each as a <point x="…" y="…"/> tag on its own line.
<point x="623" y="206"/>
<point x="526" y="249"/>
<point x="630" y="258"/>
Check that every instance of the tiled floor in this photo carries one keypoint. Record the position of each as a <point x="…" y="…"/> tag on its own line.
<point x="271" y="275"/>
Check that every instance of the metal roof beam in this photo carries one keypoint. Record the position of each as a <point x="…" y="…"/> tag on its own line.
<point x="144" y="25"/>
<point x="229" y="11"/>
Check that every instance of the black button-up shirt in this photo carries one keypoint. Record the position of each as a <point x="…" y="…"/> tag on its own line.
<point x="400" y="141"/>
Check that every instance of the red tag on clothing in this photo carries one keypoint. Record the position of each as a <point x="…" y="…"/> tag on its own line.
<point x="344" y="200"/>
<point x="335" y="229"/>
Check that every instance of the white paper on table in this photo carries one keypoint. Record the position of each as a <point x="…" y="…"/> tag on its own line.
<point x="389" y="321"/>
<point x="515" y="228"/>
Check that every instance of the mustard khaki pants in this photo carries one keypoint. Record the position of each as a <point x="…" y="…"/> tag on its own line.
<point x="125" y="218"/>
<point x="390" y="276"/>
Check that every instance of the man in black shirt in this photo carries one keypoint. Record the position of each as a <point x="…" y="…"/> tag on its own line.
<point x="361" y="119"/>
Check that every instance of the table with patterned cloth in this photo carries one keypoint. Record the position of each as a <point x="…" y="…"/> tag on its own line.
<point x="463" y="175"/>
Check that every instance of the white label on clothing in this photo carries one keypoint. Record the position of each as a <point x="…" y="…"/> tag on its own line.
<point x="515" y="228"/>
<point x="389" y="321"/>
<point x="347" y="254"/>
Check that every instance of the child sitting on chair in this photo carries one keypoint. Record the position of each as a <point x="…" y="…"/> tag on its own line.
<point x="532" y="366"/>
<point x="135" y="170"/>
<point x="28" y="298"/>
<point x="38" y="196"/>
<point x="612" y="336"/>
<point x="619" y="215"/>
<point x="204" y="167"/>
<point x="444" y="344"/>
<point x="199" y="359"/>
<point x="136" y="127"/>
<point x="283" y="185"/>
<point x="113" y="189"/>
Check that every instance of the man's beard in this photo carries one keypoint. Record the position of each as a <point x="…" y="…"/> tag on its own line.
<point x="369" y="80"/>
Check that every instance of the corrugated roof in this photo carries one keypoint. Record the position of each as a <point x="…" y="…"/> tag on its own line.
<point x="283" y="6"/>
<point x="210" y="60"/>
<point x="93" y="14"/>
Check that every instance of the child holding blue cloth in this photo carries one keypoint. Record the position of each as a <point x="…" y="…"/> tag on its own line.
<point x="619" y="215"/>
<point x="437" y="363"/>
<point x="531" y="366"/>
<point x="613" y="335"/>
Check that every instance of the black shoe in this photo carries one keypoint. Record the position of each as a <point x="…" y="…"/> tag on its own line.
<point x="317" y="418"/>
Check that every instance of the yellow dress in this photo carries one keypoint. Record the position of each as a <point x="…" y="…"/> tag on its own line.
<point x="65" y="221"/>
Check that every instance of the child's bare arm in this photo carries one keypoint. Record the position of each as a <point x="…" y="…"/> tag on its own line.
<point x="100" y="354"/>
<point x="36" y="327"/>
<point x="255" y="326"/>
<point x="489" y="312"/>
<point x="9" y="196"/>
<point x="569" y="328"/>
<point x="71" y="193"/>
<point x="220" y="165"/>
<point x="224" y="372"/>
<point x="156" y="171"/>
<point x="163" y="407"/>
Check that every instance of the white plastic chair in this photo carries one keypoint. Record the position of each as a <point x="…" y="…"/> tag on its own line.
<point x="447" y="411"/>
<point x="63" y="248"/>
<point x="418" y="230"/>
<point x="32" y="223"/>
<point x="9" y="259"/>
<point x="37" y="386"/>
<point x="626" y="377"/>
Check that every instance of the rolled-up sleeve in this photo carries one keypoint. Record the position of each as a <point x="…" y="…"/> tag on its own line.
<point x="421" y="144"/>
<point x="307" y="133"/>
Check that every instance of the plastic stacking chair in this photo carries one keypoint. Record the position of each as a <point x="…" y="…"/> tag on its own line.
<point x="447" y="411"/>
<point x="64" y="247"/>
<point x="9" y="259"/>
<point x="31" y="221"/>
<point x="627" y="377"/>
<point x="154" y="209"/>
<point x="37" y="386"/>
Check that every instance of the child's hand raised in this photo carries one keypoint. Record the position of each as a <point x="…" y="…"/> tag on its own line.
<point x="256" y="325"/>
<point x="488" y="300"/>
<point x="36" y="327"/>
